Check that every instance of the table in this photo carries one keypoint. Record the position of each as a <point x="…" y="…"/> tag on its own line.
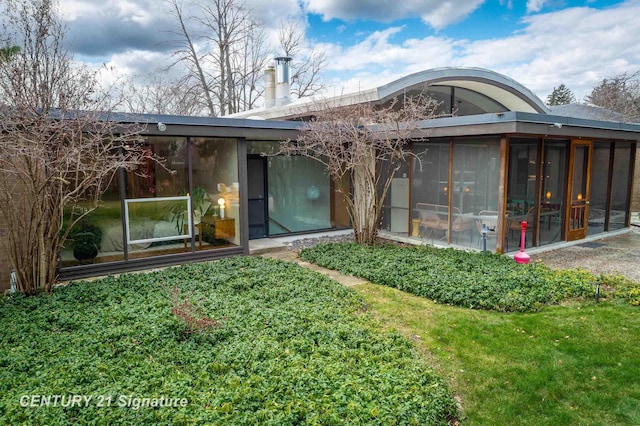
<point x="220" y="228"/>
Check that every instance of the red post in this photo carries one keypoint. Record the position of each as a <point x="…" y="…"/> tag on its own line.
<point x="521" y="256"/>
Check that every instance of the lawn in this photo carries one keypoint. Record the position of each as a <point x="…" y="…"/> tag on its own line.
<point x="535" y="350"/>
<point x="269" y="343"/>
<point x="564" y="365"/>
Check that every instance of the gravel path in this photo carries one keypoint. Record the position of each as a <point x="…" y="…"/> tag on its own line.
<point x="619" y="254"/>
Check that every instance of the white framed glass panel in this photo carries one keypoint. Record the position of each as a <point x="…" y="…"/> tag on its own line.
<point x="152" y="220"/>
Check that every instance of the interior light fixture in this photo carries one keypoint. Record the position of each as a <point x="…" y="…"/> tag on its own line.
<point x="221" y="204"/>
<point x="162" y="127"/>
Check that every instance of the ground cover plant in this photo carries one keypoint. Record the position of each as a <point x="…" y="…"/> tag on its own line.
<point x="466" y="279"/>
<point x="577" y="363"/>
<point x="242" y="340"/>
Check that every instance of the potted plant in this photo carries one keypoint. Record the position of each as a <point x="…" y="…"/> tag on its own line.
<point x="86" y="241"/>
<point x="200" y="204"/>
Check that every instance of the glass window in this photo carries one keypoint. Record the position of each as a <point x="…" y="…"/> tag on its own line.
<point x="474" y="190"/>
<point x="521" y="191"/>
<point x="299" y="194"/>
<point x="156" y="227"/>
<point x="98" y="237"/>
<point x="154" y="180"/>
<point x="469" y="102"/>
<point x="599" y="187"/>
<point x="215" y="193"/>
<point x="620" y="186"/>
<point x="395" y="209"/>
<point x="430" y="191"/>
<point x="554" y="181"/>
<point x="441" y="94"/>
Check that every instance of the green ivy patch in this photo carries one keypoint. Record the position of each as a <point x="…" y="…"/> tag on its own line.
<point x="290" y="347"/>
<point x="466" y="279"/>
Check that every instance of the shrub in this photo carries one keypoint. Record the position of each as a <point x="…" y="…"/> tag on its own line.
<point x="456" y="277"/>
<point x="296" y="348"/>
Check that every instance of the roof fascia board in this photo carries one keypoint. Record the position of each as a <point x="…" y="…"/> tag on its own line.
<point x="529" y="123"/>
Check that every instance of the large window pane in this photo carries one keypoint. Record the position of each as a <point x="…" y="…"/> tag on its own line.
<point x="554" y="178"/>
<point x="521" y="191"/>
<point x="299" y="196"/>
<point x="620" y="186"/>
<point x="429" y="191"/>
<point x="599" y="187"/>
<point x="474" y="191"/>
<point x="215" y="196"/>
<point x="395" y="214"/>
<point x="159" y="224"/>
<point x="98" y="237"/>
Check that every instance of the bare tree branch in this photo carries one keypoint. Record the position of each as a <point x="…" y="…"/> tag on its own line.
<point x="189" y="54"/>
<point x="620" y="94"/>
<point x="306" y="80"/>
<point x="59" y="145"/>
<point x="353" y="142"/>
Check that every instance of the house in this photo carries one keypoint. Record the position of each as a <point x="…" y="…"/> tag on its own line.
<point x="500" y="158"/>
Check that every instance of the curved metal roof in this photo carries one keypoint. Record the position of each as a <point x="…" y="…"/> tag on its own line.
<point x="504" y="90"/>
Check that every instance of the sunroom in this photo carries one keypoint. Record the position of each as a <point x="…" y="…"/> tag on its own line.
<point x="565" y="177"/>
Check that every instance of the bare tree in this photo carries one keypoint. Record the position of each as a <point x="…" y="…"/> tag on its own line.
<point x="620" y="94"/>
<point x="306" y="80"/>
<point x="159" y="95"/>
<point x="224" y="51"/>
<point x="354" y="142"/>
<point x="187" y="54"/>
<point x="248" y="62"/>
<point x="225" y="58"/>
<point x="59" y="148"/>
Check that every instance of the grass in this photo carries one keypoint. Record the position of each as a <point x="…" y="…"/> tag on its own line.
<point x="535" y="350"/>
<point x="577" y="364"/>
<point x="263" y="343"/>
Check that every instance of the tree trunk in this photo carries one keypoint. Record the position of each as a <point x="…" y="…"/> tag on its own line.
<point x="365" y="201"/>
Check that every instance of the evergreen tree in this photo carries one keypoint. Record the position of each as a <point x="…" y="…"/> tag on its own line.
<point x="561" y="95"/>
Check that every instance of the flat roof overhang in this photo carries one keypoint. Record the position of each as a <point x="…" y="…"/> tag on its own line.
<point x="514" y="122"/>
<point x="213" y="126"/>
<point x="502" y="123"/>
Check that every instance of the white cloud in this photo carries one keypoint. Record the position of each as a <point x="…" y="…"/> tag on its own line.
<point x="448" y="12"/>
<point x="437" y="13"/>
<point x="535" y="5"/>
<point x="575" y="46"/>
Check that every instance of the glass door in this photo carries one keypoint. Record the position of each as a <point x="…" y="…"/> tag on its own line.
<point x="579" y="189"/>
<point x="257" y="198"/>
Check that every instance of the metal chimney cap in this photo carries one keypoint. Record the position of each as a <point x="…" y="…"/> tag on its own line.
<point x="284" y="59"/>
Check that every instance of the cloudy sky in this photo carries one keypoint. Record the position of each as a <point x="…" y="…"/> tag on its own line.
<point x="539" y="43"/>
